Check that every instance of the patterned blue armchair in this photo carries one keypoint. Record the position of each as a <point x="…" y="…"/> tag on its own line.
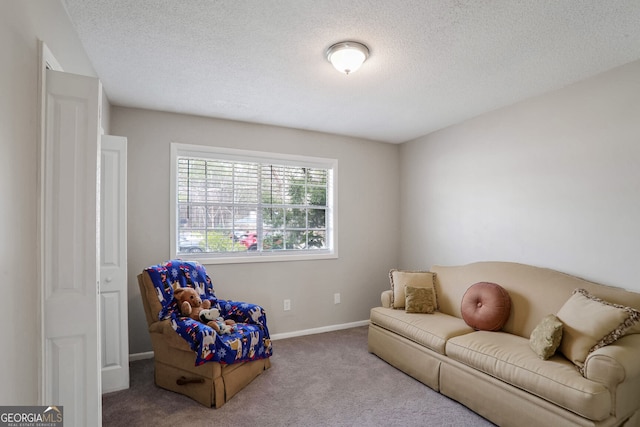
<point x="190" y="357"/>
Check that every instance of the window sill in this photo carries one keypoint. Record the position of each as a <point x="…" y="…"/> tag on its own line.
<point x="265" y="257"/>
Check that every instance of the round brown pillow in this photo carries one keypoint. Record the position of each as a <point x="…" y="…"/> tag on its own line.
<point x="486" y="306"/>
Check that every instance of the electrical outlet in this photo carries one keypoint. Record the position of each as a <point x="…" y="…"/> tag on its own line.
<point x="336" y="298"/>
<point x="287" y="305"/>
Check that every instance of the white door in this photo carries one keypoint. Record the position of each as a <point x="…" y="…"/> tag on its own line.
<point x="113" y="264"/>
<point x="70" y="204"/>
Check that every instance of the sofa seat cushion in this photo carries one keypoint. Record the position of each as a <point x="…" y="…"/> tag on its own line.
<point x="509" y="358"/>
<point x="430" y="330"/>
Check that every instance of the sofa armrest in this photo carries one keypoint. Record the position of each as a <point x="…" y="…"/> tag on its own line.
<point x="385" y="298"/>
<point x="615" y="363"/>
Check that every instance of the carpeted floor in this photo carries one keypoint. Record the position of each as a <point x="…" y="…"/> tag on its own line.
<point x="326" y="379"/>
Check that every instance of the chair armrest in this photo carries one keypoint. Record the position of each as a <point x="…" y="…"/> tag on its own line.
<point x="615" y="363"/>
<point x="385" y="298"/>
<point x="170" y="336"/>
<point x="161" y="327"/>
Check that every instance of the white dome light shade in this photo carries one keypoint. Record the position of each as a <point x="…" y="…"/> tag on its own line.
<point x="347" y="57"/>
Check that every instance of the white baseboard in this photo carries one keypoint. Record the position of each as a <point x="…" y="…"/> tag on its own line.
<point x="140" y="356"/>
<point x="149" y="354"/>
<point x="320" y="330"/>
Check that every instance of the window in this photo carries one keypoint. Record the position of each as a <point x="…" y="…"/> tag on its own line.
<point x="238" y="206"/>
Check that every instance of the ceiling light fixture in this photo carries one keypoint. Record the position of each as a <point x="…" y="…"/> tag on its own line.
<point x="347" y="57"/>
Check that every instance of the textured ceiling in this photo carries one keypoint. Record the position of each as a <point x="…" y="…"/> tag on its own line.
<point x="432" y="63"/>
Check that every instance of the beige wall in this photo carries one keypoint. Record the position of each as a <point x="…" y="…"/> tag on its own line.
<point x="553" y="181"/>
<point x="368" y="226"/>
<point x="21" y="24"/>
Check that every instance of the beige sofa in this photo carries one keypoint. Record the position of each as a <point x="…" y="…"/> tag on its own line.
<point x="497" y="374"/>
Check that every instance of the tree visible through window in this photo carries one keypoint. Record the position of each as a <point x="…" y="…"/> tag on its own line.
<point x="228" y="206"/>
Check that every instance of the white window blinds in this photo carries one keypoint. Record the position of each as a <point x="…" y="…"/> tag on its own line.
<point x="246" y="205"/>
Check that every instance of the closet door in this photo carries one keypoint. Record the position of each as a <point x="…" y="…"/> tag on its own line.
<point x="113" y="264"/>
<point x="69" y="261"/>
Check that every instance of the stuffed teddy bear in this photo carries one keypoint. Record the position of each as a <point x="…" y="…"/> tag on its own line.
<point x="193" y="306"/>
<point x="212" y="318"/>
<point x="189" y="302"/>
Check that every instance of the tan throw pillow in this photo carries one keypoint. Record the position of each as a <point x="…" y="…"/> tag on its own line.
<point x="591" y="323"/>
<point x="419" y="300"/>
<point x="401" y="278"/>
<point x="546" y="337"/>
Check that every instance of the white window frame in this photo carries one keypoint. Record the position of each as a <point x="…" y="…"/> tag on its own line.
<point x="202" y="151"/>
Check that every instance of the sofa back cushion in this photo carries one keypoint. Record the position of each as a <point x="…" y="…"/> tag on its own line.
<point x="535" y="292"/>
